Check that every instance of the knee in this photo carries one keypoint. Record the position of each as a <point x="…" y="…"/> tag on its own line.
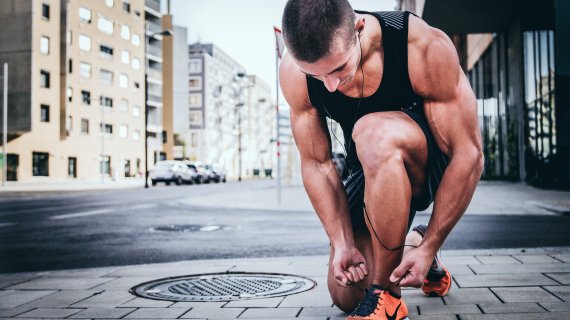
<point x="376" y="144"/>
<point x="345" y="303"/>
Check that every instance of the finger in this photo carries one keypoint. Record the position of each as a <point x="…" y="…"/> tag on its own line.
<point x="342" y="280"/>
<point x="400" y="271"/>
<point x="410" y="280"/>
<point x="354" y="277"/>
<point x="362" y="266"/>
<point x="360" y="274"/>
<point x="348" y="275"/>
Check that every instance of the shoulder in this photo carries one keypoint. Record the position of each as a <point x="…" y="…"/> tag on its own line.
<point x="432" y="61"/>
<point x="293" y="84"/>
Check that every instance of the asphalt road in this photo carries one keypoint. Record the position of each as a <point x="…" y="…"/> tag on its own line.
<point x="50" y="231"/>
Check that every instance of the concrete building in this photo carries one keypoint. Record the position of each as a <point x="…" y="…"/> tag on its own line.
<point x="517" y="62"/>
<point x="76" y="87"/>
<point x="224" y="104"/>
<point x="180" y="92"/>
<point x="157" y="136"/>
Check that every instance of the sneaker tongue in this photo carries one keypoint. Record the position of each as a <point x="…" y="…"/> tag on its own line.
<point x="377" y="289"/>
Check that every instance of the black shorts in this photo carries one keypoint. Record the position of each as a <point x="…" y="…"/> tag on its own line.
<point x="436" y="165"/>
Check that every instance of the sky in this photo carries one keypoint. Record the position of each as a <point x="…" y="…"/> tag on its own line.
<point x="244" y="29"/>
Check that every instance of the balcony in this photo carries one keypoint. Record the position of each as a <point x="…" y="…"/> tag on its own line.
<point x="153" y="4"/>
<point x="155" y="51"/>
<point x="155" y="74"/>
<point x="152" y="27"/>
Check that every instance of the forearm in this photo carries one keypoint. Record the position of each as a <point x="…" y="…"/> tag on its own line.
<point x="452" y="199"/>
<point x="326" y="192"/>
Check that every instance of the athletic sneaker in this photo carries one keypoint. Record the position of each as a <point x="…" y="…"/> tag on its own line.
<point x="380" y="304"/>
<point x="438" y="280"/>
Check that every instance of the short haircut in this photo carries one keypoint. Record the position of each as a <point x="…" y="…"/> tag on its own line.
<point x="311" y="26"/>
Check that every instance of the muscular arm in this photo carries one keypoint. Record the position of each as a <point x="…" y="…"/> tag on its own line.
<point x="320" y="178"/>
<point x="451" y="110"/>
<point x="322" y="182"/>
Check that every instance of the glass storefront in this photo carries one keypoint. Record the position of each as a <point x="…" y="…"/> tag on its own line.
<point x="540" y="104"/>
<point x="489" y="80"/>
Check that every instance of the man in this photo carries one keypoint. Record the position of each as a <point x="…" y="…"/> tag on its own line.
<point x="409" y="119"/>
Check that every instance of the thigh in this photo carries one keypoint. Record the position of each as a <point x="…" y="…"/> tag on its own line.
<point x="394" y="130"/>
<point x="347" y="299"/>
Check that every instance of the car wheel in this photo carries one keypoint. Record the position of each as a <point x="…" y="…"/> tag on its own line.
<point x="224" y="181"/>
<point x="153" y="182"/>
<point x="178" y="181"/>
<point x="167" y="183"/>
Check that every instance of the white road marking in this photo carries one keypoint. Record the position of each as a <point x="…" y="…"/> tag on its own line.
<point x="80" y="214"/>
<point x="7" y="224"/>
<point x="100" y="211"/>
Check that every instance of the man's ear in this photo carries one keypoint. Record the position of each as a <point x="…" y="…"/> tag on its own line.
<point x="359" y="25"/>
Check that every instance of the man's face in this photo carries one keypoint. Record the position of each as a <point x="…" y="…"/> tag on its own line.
<point x="336" y="69"/>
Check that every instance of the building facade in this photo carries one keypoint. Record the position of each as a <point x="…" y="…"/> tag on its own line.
<point x="76" y="88"/>
<point x="517" y="62"/>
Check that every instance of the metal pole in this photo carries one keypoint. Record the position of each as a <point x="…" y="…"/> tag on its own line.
<point x="239" y="142"/>
<point x="102" y="129"/>
<point x="5" y="129"/>
<point x="277" y="118"/>
<point x="145" y="132"/>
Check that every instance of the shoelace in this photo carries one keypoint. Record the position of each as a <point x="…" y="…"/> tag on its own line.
<point x="368" y="304"/>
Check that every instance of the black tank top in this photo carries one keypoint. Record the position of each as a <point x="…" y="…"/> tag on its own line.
<point x="394" y="93"/>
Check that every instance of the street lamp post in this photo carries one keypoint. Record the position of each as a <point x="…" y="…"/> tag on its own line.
<point x="167" y="32"/>
<point x="5" y="129"/>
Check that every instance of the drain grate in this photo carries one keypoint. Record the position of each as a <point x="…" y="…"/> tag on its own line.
<point x="223" y="287"/>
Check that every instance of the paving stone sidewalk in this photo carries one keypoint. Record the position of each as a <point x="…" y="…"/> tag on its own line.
<point x="490" y="284"/>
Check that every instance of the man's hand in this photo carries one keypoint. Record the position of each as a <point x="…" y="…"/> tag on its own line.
<point x="413" y="268"/>
<point x="349" y="266"/>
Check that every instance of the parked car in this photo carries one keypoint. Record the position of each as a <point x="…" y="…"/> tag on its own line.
<point x="202" y="175"/>
<point x="219" y="173"/>
<point x="171" y="171"/>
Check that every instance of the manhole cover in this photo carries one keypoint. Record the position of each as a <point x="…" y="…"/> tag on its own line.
<point x="190" y="228"/>
<point x="223" y="287"/>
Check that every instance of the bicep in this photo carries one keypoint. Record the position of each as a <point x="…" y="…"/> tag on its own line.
<point x="454" y="121"/>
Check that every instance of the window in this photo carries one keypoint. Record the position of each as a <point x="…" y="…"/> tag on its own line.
<point x="106" y="101"/>
<point x="124" y="107"/>
<point x="136" y="63"/>
<point x="44" y="79"/>
<point x="195" y="66"/>
<point x="70" y="66"/>
<point x="40" y="164"/>
<point x="106" y="51"/>
<point x="125" y="32"/>
<point x="106" y="77"/>
<point x="195" y="83"/>
<point x="44" y="116"/>
<point x="195" y="99"/>
<point x="44" y="45"/>
<point x="109" y="3"/>
<point x="69" y="94"/>
<point x="136" y="111"/>
<point x="85" y="70"/>
<point x="137" y="85"/>
<point x="125" y="57"/>
<point x="107" y="128"/>
<point x="84" y="15"/>
<point x="164" y="136"/>
<point x="84" y="125"/>
<point x="105" y="25"/>
<point x="123" y="81"/>
<point x="136" y="135"/>
<point x="84" y="43"/>
<point x="123" y="131"/>
<point x="105" y="165"/>
<point x="72" y="167"/>
<point x="45" y="11"/>
<point x="195" y="118"/>
<point x="194" y="140"/>
<point x="126" y="6"/>
<point x="86" y="97"/>
<point x="136" y="40"/>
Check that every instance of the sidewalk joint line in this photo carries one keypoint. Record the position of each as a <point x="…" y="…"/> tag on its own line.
<point x="551" y="278"/>
<point x="480" y="309"/>
<point x="543" y="288"/>
<point x="496" y="295"/>
<point x="522" y="262"/>
<point x="299" y="313"/>
<point x="543" y="307"/>
<point x="555" y="258"/>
